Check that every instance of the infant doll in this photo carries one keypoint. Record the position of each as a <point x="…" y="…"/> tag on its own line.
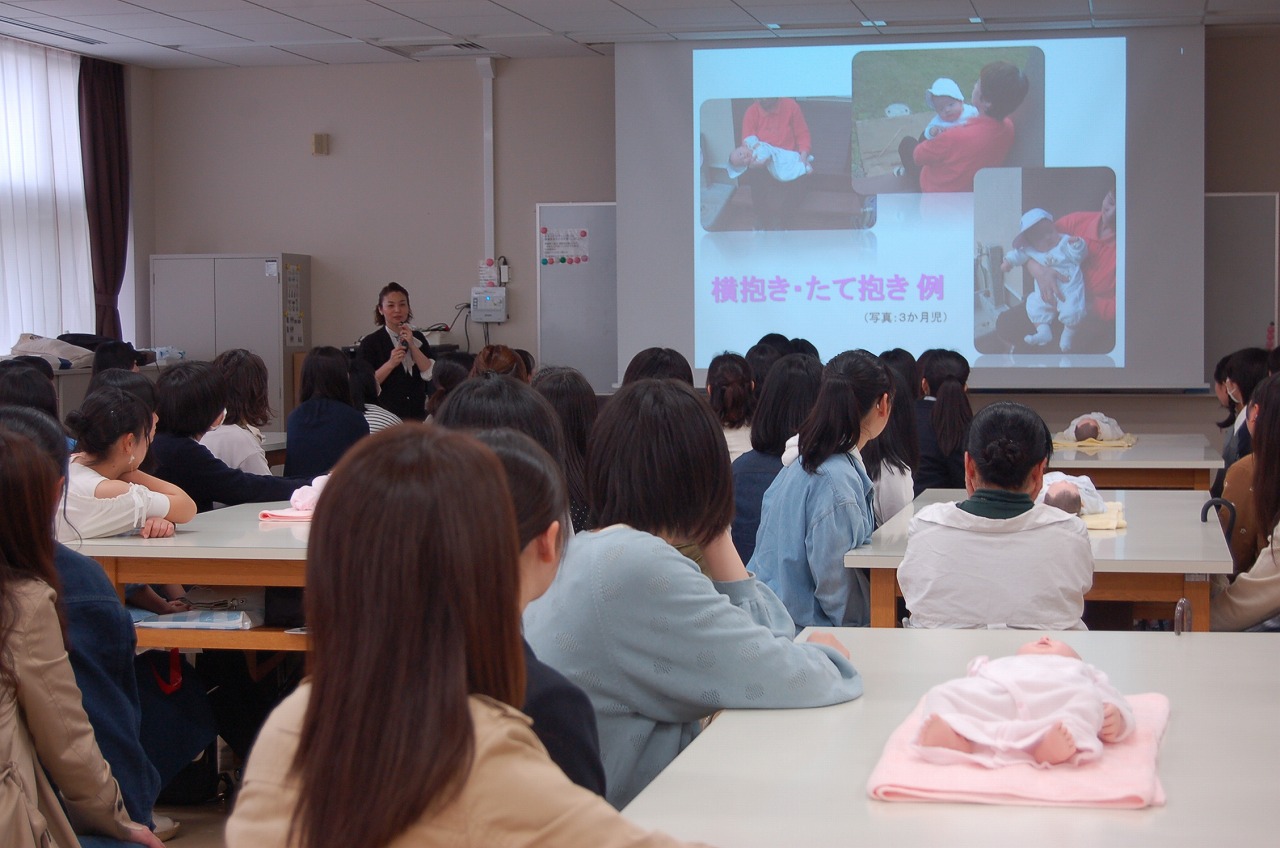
<point x="783" y="165"/>
<point x="1040" y="240"/>
<point x="1076" y="495"/>
<point x="1043" y="706"/>
<point x="1094" y="425"/>
<point x="947" y="101"/>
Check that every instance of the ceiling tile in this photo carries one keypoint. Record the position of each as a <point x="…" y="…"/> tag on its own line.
<point x="892" y="11"/>
<point x="502" y="24"/>
<point x="728" y="18"/>
<point x="255" y="56"/>
<point x="346" y="53"/>
<point x="800" y="15"/>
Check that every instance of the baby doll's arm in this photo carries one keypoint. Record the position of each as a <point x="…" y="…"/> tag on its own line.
<point x="1076" y="248"/>
<point x="1016" y="256"/>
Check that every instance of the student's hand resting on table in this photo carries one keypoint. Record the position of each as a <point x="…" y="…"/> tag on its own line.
<point x="157" y="528"/>
<point x="830" y="641"/>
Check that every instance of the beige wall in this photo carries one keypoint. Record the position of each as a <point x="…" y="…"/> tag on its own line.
<point x="223" y="164"/>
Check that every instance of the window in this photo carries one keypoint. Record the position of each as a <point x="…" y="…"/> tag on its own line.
<point x="46" y="278"/>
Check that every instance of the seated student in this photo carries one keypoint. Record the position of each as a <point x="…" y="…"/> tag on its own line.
<point x="1247" y="537"/>
<point x="731" y="390"/>
<point x="561" y="713"/>
<point x="191" y="405"/>
<point x="760" y="358"/>
<point x="46" y="736"/>
<point x="1252" y="600"/>
<point x="942" y="420"/>
<point x="415" y="637"/>
<point x="574" y="401"/>
<point x="784" y="405"/>
<point x="891" y="457"/>
<point x="364" y="394"/>
<point x="101" y="643"/>
<point x="499" y="359"/>
<point x="22" y="384"/>
<point x="998" y="559"/>
<point x="1245" y="369"/>
<point x="820" y="504"/>
<point x="451" y="369"/>
<point x="660" y="363"/>
<point x="106" y="493"/>
<point x="238" y="442"/>
<point x="114" y="354"/>
<point x="656" y="645"/>
<point x="1093" y="425"/>
<point x="326" y="423"/>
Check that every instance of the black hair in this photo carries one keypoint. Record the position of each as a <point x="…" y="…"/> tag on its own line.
<point x="364" y="383"/>
<point x="527" y="358"/>
<point x="761" y="357"/>
<point x="658" y="462"/>
<point x="788" y="396"/>
<point x="852" y="382"/>
<point x="1006" y="441"/>
<point x="1220" y="377"/>
<point x="1266" y="452"/>
<point x="105" y="416"/>
<point x="191" y="398"/>
<point x="730" y="389"/>
<point x="945" y="374"/>
<point x="898" y="444"/>
<point x="904" y="363"/>
<point x="496" y="400"/>
<point x="449" y="372"/>
<point x="115" y="354"/>
<point x="778" y="342"/>
<point x="1004" y="87"/>
<point x="1247" y="368"/>
<point x="1273" y="361"/>
<point x="23" y="385"/>
<point x="534" y="479"/>
<point x="389" y="288"/>
<point x="324" y="375"/>
<point x="38" y="362"/>
<point x="574" y="401"/>
<point x="806" y="347"/>
<point x="658" y="363"/>
<point x="130" y="381"/>
<point x="41" y="428"/>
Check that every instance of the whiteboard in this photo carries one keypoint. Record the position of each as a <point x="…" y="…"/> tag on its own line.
<point x="1241" y="257"/>
<point x="578" y="301"/>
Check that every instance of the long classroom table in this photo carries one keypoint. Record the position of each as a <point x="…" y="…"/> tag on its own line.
<point x="224" y="547"/>
<point x="767" y="778"/>
<point x="1165" y="554"/>
<point x="1155" y="461"/>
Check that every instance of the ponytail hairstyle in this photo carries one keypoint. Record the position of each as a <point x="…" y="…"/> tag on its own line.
<point x="786" y="401"/>
<point x="945" y="374"/>
<point x="1247" y="368"/>
<point x="107" y="414"/>
<point x="131" y="381"/>
<point x="1006" y="441"/>
<point x="1266" y="452"/>
<point x="729" y="387"/>
<point x="852" y="382"/>
<point x="898" y="445"/>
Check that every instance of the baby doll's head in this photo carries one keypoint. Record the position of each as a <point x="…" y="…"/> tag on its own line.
<point x="1065" y="495"/>
<point x="1044" y="646"/>
<point x="742" y="157"/>
<point x="1087" y="429"/>
<point x="945" y="98"/>
<point x="1038" y="232"/>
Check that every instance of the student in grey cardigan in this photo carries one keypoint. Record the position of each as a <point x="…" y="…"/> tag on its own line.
<point x="656" y="645"/>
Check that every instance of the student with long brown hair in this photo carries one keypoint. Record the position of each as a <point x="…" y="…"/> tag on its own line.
<point x="407" y="731"/>
<point x="238" y="441"/>
<point x="45" y="736"/>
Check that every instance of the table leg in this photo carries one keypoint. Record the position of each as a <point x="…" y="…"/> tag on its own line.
<point x="884" y="597"/>
<point x="1196" y="591"/>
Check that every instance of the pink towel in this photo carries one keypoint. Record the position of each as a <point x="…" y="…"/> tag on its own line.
<point x="286" y="514"/>
<point x="1124" y="778"/>
<point x="301" y="505"/>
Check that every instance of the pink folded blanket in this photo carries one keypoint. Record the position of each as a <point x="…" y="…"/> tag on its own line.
<point x="301" y="505"/>
<point x="1123" y="778"/>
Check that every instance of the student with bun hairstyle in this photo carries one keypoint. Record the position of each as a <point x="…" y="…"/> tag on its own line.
<point x="191" y="404"/>
<point x="942" y="420"/>
<point x="788" y="396"/>
<point x="731" y="390"/>
<point x="408" y="729"/>
<point x="656" y="645"/>
<point x="820" y="505"/>
<point x="998" y="559"/>
<point x="500" y="359"/>
<point x="561" y="713"/>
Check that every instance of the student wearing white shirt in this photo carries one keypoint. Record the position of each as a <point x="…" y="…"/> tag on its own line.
<point x="238" y="440"/>
<point x="998" y="559"/>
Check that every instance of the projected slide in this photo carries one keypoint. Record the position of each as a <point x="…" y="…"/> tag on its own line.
<point x="965" y="196"/>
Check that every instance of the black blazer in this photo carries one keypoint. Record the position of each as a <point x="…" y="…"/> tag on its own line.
<point x="403" y="394"/>
<point x="564" y="722"/>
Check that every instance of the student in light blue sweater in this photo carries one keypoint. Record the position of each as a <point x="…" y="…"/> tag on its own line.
<point x="655" y="644"/>
<point x="820" y="504"/>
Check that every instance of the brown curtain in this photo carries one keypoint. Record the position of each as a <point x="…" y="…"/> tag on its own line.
<point x="104" y="147"/>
